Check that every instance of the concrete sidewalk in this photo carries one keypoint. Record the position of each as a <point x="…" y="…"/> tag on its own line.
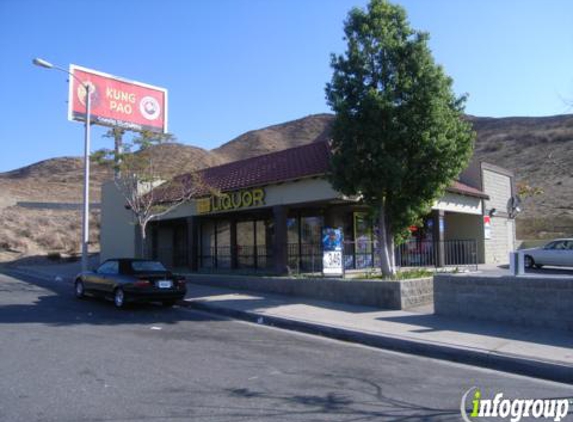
<point x="535" y="352"/>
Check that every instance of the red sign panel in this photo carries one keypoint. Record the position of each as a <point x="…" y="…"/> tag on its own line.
<point x="117" y="102"/>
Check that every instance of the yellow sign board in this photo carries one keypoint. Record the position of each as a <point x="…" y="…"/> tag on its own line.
<point x="231" y="201"/>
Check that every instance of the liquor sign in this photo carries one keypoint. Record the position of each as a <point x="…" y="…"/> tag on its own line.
<point x="332" y="262"/>
<point x="117" y="102"/>
<point x="232" y="201"/>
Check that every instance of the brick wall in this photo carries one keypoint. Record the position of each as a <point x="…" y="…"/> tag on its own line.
<point x="520" y="300"/>
<point x="498" y="186"/>
<point x="380" y="294"/>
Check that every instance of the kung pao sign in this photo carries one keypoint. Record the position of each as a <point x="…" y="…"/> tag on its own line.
<point x="116" y="101"/>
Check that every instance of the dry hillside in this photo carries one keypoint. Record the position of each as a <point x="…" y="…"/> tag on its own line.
<point x="274" y="138"/>
<point x="539" y="150"/>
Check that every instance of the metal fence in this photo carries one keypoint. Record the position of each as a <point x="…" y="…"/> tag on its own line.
<point x="246" y="258"/>
<point x="358" y="255"/>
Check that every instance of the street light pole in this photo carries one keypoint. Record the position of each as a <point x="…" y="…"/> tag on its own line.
<point x="86" y="197"/>
<point x="86" y="213"/>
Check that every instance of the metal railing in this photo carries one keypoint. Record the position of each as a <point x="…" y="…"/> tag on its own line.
<point x="304" y="257"/>
<point x="358" y="255"/>
<point x="246" y="258"/>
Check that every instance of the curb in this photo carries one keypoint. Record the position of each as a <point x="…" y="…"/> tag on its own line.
<point x="552" y="371"/>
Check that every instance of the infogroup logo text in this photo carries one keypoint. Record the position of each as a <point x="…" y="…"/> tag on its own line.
<point x="514" y="409"/>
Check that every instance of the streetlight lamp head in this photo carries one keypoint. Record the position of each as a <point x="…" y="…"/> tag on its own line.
<point x="42" y="63"/>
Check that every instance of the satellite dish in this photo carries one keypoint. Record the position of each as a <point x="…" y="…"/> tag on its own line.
<point x="514" y="206"/>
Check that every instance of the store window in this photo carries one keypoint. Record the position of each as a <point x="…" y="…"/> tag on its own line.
<point x="223" y="244"/>
<point x="363" y="240"/>
<point x="207" y="244"/>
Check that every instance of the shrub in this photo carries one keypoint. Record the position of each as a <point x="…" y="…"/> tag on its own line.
<point x="54" y="256"/>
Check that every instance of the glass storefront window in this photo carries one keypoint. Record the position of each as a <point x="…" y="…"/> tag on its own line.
<point x="263" y="232"/>
<point x="311" y="228"/>
<point x="252" y="247"/>
<point x="223" y="244"/>
<point x="292" y="230"/>
<point x="245" y="244"/>
<point x="363" y="240"/>
<point x="207" y="244"/>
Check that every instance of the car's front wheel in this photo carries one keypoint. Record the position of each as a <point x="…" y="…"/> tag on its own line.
<point x="529" y="262"/>
<point x="79" y="289"/>
<point x="119" y="298"/>
<point x="168" y="303"/>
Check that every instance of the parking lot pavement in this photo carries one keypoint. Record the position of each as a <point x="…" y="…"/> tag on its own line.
<point x="492" y="270"/>
<point x="65" y="359"/>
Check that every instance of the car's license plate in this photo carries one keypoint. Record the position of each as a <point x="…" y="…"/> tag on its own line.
<point x="165" y="284"/>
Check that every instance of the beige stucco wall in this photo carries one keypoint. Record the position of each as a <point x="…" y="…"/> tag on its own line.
<point x="452" y="202"/>
<point x="117" y="235"/>
<point x="289" y="193"/>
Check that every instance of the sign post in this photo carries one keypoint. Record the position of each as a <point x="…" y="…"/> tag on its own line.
<point x="96" y="97"/>
<point x="332" y="254"/>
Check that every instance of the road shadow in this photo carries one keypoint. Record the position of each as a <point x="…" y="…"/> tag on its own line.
<point x="361" y="400"/>
<point x="27" y="299"/>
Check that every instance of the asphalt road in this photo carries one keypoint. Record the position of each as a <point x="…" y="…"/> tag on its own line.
<point x="62" y="359"/>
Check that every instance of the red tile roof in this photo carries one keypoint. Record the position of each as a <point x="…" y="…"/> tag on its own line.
<point x="286" y="165"/>
<point x="463" y="189"/>
<point x="289" y="164"/>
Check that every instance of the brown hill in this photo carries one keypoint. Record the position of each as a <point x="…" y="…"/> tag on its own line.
<point x="274" y="138"/>
<point x="540" y="152"/>
<point x="538" y="149"/>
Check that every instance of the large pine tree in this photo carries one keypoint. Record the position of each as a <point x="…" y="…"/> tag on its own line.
<point x="399" y="138"/>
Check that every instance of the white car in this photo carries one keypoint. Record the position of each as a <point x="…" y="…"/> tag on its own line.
<point x="558" y="252"/>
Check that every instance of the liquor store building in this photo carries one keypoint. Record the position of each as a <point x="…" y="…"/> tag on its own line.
<point x="272" y="209"/>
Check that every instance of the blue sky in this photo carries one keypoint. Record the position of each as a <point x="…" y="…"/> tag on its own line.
<point x="235" y="65"/>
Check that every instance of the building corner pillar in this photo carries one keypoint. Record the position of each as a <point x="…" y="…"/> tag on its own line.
<point x="193" y="243"/>
<point x="280" y="244"/>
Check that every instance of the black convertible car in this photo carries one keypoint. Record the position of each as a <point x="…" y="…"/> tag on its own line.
<point x="132" y="280"/>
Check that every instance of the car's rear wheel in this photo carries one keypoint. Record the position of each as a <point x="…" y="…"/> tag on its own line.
<point x="119" y="298"/>
<point x="79" y="289"/>
<point x="168" y="303"/>
<point x="529" y="261"/>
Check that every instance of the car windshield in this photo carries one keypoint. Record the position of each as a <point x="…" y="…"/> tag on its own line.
<point x="147" y="266"/>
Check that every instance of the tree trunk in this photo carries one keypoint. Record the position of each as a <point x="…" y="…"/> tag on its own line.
<point x="386" y="245"/>
<point x="143" y="248"/>
<point x="118" y="149"/>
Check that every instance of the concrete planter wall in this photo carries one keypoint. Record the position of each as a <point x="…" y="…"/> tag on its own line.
<point x="381" y="294"/>
<point x="526" y="301"/>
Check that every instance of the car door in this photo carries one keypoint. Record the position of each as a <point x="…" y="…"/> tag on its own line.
<point x="89" y="280"/>
<point x="542" y="256"/>
<point x="561" y="252"/>
<point x="567" y="259"/>
<point x="111" y="276"/>
<point x="101" y="278"/>
<point x="553" y="253"/>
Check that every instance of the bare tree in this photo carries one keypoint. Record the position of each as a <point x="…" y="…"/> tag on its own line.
<point x="150" y="191"/>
